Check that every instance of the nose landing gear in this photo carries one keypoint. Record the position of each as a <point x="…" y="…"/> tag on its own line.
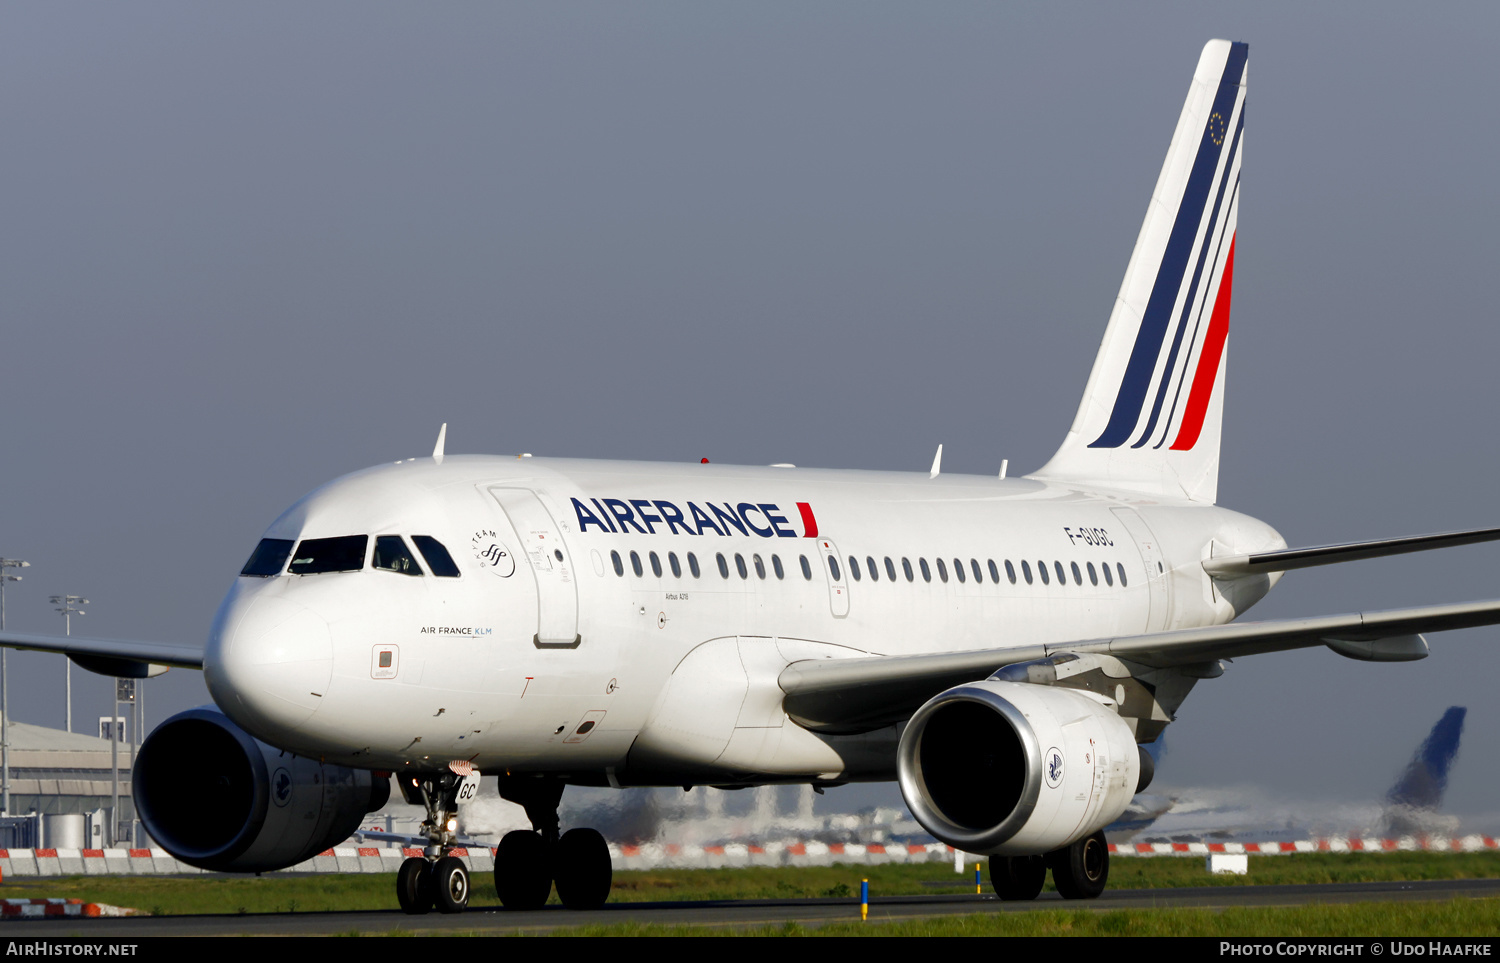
<point x="437" y="877"/>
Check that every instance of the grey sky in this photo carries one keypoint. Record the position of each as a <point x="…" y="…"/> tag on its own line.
<point x="248" y="248"/>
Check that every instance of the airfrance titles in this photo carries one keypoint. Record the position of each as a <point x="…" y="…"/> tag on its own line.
<point x="649" y="516"/>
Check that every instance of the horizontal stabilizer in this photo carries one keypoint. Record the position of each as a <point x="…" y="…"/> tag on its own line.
<point x="851" y="695"/>
<point x="1238" y="566"/>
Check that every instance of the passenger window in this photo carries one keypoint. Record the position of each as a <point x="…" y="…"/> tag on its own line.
<point x="995" y="573"/>
<point x="833" y="566"/>
<point x="906" y="568"/>
<point x="1041" y="569"/>
<point x="315" y="556"/>
<point x="942" y="570"/>
<point x="269" y="557"/>
<point x="873" y="568"/>
<point x="676" y="565"/>
<point x="655" y="565"/>
<point x="439" y="562"/>
<point x="635" y="565"/>
<point x="760" y="567"/>
<point x="958" y="569"/>
<point x="854" y="567"/>
<point x="926" y="572"/>
<point x="1077" y="575"/>
<point x="1025" y="570"/>
<point x="391" y="556"/>
<point x="1120" y="570"/>
<point x="776" y="565"/>
<point x="1093" y="576"/>
<point x="890" y="569"/>
<point x="693" y="565"/>
<point x="1062" y="577"/>
<point x="806" y="569"/>
<point x="619" y="565"/>
<point x="723" y="565"/>
<point x="739" y="564"/>
<point x="1010" y="573"/>
<point x="1109" y="578"/>
<point x="974" y="567"/>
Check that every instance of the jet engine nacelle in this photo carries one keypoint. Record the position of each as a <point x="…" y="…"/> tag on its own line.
<point x="1016" y="769"/>
<point x="216" y="797"/>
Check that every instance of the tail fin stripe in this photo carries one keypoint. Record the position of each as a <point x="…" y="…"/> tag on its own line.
<point x="1153" y="328"/>
<point x="1208" y="362"/>
<point x="1182" y="379"/>
<point x="1192" y="296"/>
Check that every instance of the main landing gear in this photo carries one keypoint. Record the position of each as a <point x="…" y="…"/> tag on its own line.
<point x="529" y="862"/>
<point x="437" y="877"/>
<point x="1079" y="871"/>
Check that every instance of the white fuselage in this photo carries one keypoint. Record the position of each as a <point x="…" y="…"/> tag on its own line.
<point x="383" y="670"/>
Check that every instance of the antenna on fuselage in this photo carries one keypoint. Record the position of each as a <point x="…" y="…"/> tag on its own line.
<point x="1004" y="466"/>
<point x="937" y="463"/>
<point x="437" y="449"/>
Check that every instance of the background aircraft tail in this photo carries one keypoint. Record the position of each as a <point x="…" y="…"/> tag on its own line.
<point x="1412" y="803"/>
<point x="1151" y="412"/>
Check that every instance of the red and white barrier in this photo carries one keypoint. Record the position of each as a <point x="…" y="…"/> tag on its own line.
<point x="1332" y="844"/>
<point x="31" y="908"/>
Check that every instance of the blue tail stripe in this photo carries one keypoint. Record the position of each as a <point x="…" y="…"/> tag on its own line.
<point x="1187" y="304"/>
<point x="1182" y="376"/>
<point x="1153" y="330"/>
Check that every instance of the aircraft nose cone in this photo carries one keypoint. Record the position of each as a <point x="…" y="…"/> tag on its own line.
<point x="269" y="666"/>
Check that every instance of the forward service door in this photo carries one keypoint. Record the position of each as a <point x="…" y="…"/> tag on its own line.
<point x="551" y="567"/>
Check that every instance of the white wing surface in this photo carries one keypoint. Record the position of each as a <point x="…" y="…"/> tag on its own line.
<point x="842" y="695"/>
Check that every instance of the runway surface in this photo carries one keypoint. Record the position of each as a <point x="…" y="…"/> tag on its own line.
<point x="741" y="913"/>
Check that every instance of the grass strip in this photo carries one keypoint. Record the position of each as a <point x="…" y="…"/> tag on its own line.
<point x="283" y="893"/>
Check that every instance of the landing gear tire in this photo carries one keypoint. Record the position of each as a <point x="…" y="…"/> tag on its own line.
<point x="584" y="870"/>
<point x="449" y="884"/>
<point x="523" y="870"/>
<point x="1080" y="871"/>
<point x="1017" y="877"/>
<point x="414" y="886"/>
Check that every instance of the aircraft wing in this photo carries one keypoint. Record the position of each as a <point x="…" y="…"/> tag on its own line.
<point x="110" y="656"/>
<point x="851" y="695"/>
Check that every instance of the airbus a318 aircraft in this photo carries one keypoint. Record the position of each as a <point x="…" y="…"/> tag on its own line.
<point x="1002" y="647"/>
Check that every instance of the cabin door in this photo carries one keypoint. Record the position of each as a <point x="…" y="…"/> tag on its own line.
<point x="1156" y="574"/>
<point x="838" y="581"/>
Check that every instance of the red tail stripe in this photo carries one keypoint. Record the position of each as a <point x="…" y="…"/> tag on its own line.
<point x="1208" y="362"/>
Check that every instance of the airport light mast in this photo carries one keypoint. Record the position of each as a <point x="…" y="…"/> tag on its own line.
<point x="5" y="563"/>
<point x="68" y="605"/>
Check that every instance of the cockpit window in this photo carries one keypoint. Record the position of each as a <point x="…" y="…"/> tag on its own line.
<point x="268" y="558"/>
<point x="391" y="555"/>
<point x="439" y="562"/>
<point x="318" y="555"/>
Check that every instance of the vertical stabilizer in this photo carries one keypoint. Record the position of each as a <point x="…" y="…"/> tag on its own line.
<point x="1412" y="801"/>
<point x="1151" y="412"/>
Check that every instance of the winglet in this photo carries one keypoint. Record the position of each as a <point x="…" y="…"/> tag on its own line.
<point x="437" y="450"/>
<point x="937" y="463"/>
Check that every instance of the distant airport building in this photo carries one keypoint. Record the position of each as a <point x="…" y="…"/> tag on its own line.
<point x="57" y="773"/>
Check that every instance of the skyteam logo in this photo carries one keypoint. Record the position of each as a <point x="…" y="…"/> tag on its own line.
<point x="492" y="554"/>
<point x="650" y="516"/>
<point x="1169" y="378"/>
